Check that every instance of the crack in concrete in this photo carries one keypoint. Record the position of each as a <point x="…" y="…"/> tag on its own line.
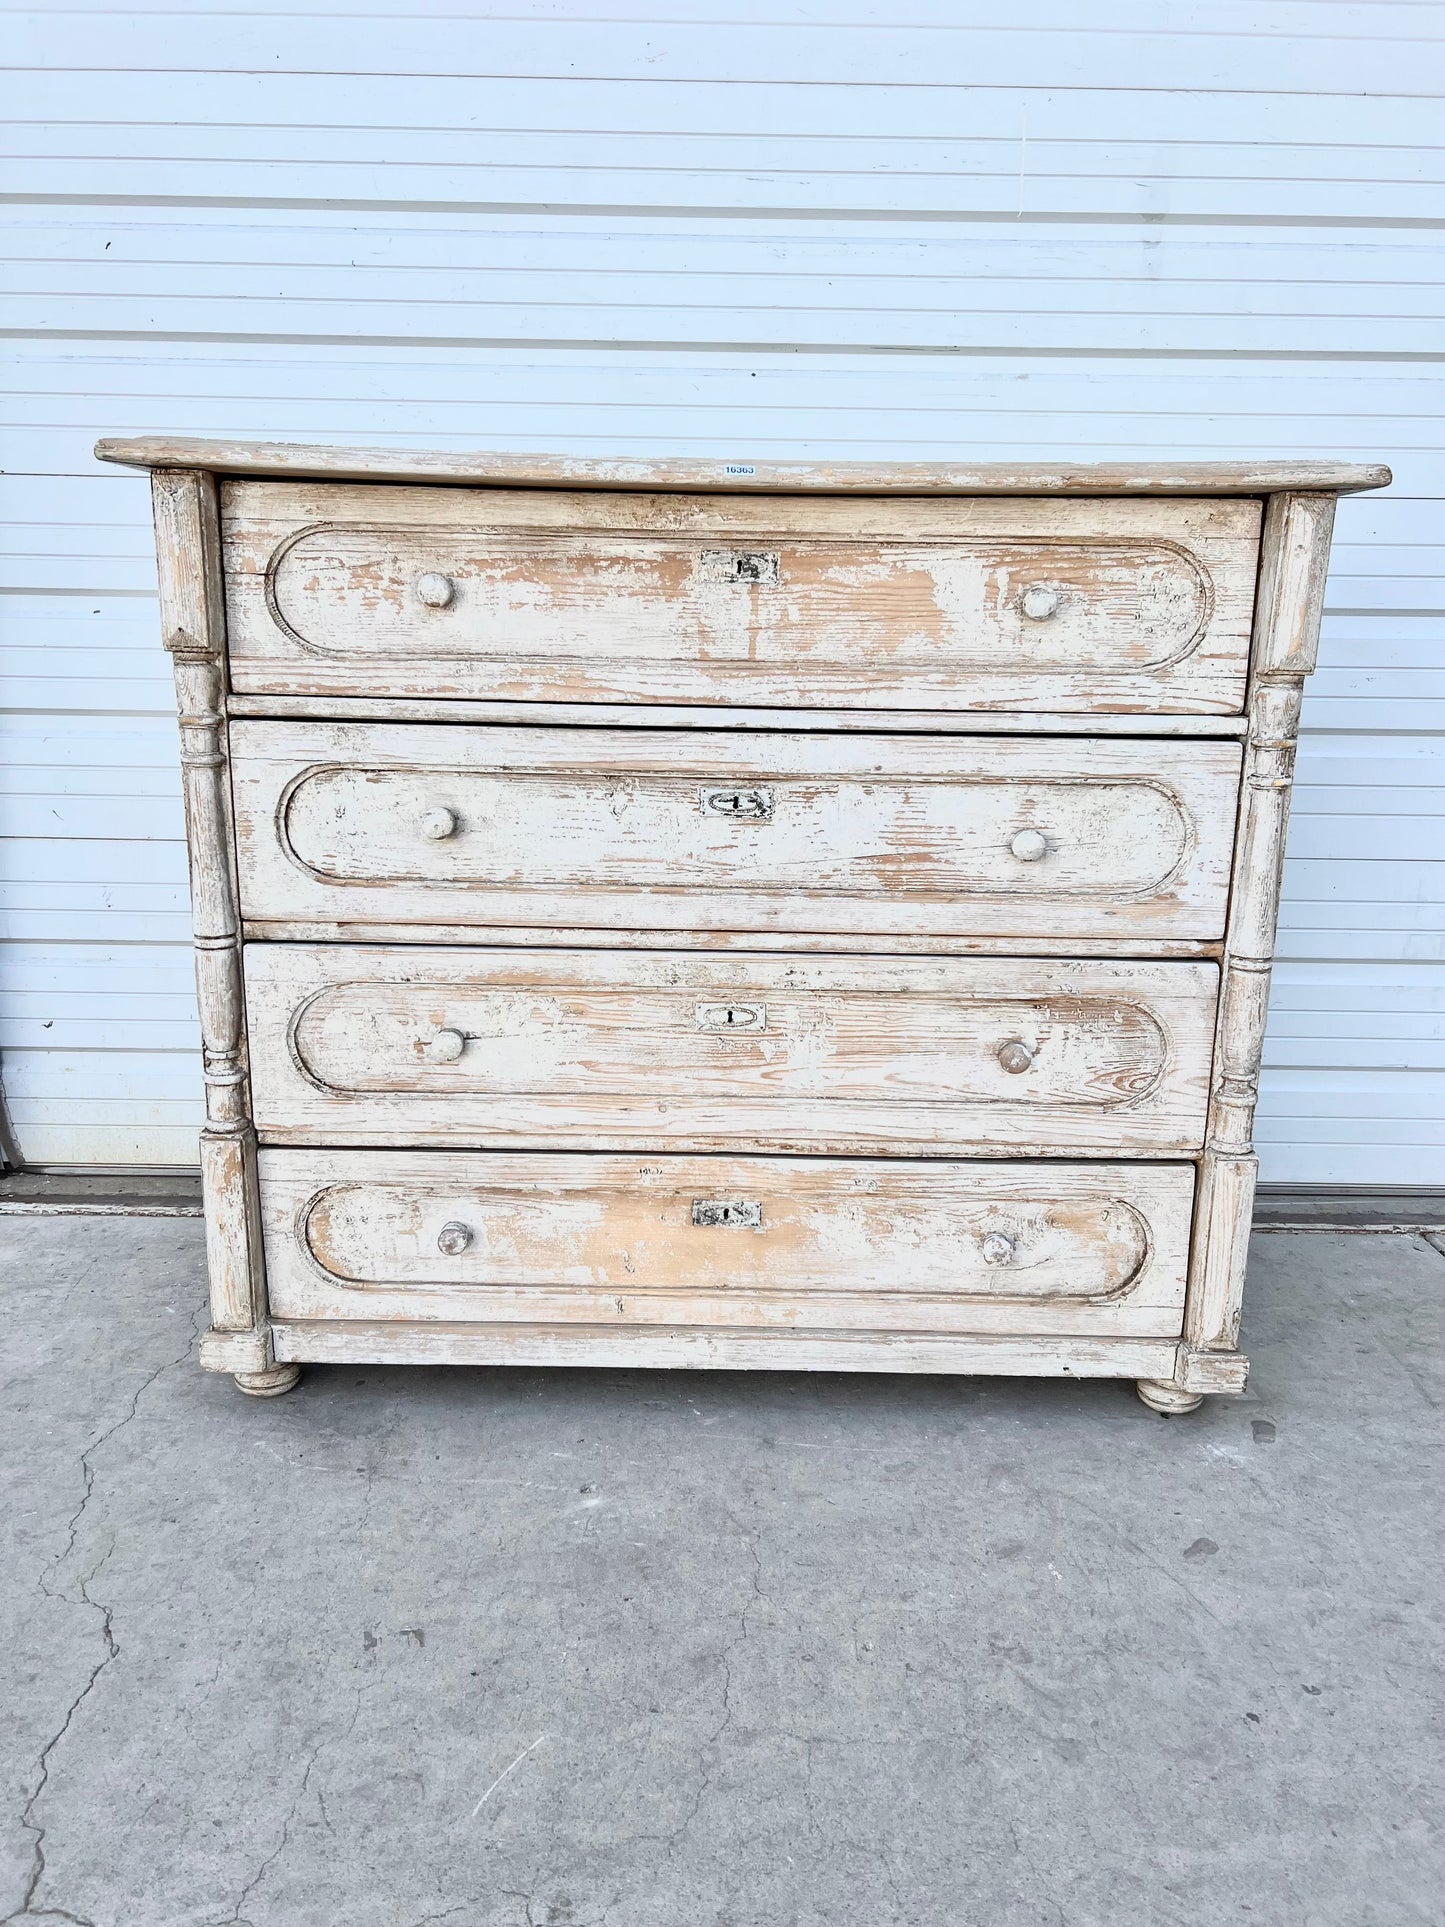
<point x="235" y="1919"/>
<point x="1041" y="1895"/>
<point x="900" y="1910"/>
<point x="705" y="1772"/>
<point x="52" y="1913"/>
<point x="27" y="1909"/>
<point x="430" y="1920"/>
<point x="516" y="1893"/>
<point x="760" y="1598"/>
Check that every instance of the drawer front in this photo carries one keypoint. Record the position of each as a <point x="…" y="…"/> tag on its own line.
<point x="815" y="1243"/>
<point x="364" y="1045"/>
<point x="928" y="604"/>
<point x="562" y="828"/>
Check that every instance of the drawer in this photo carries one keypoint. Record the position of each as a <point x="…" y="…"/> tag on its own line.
<point x="469" y="825"/>
<point x="359" y="1045"/>
<point x="994" y="603"/>
<point x="801" y="1243"/>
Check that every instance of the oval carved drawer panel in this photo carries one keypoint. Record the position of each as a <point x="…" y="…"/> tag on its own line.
<point x="705" y="830"/>
<point x="798" y="1242"/>
<point x="497" y="1047"/>
<point x="995" y="604"/>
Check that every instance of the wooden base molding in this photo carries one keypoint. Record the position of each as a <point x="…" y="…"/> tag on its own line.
<point x="1225" y="1372"/>
<point x="238" y="1352"/>
<point x="355" y="1342"/>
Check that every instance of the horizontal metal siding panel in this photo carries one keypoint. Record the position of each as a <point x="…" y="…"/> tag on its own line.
<point x="753" y="236"/>
<point x="1026" y="177"/>
<point x="1328" y="56"/>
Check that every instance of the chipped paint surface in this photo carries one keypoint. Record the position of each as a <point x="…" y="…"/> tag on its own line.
<point x="1122" y="607"/>
<point x="1126" y="605"/>
<point x="499" y="470"/>
<point x="1105" y="839"/>
<point x="366" y="1038"/>
<point x="355" y="1234"/>
<point x="606" y="1047"/>
<point x="596" y="826"/>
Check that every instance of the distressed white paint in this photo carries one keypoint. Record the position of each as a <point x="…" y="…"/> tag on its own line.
<point x="926" y="1245"/>
<point x="430" y="830"/>
<point x="638" y="234"/>
<point x="360" y="1044"/>
<point x="994" y="605"/>
<point x="427" y="825"/>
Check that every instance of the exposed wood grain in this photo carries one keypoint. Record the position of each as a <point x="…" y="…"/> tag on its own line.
<point x="192" y="628"/>
<point x="237" y="1351"/>
<point x="1293" y="565"/>
<point x="305" y="460"/>
<point x="512" y="1048"/>
<point x="923" y="1244"/>
<point x="233" y="1245"/>
<point x="983" y="604"/>
<point x="1211" y="1371"/>
<point x="1295" y="559"/>
<point x="739" y="1351"/>
<point x="633" y="830"/>
<point x="932" y="722"/>
<point x="791" y="942"/>
<point x="1220" y="1253"/>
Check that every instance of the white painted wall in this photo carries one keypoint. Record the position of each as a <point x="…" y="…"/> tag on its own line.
<point x="888" y="228"/>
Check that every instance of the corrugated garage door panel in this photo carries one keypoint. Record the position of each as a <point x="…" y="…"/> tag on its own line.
<point x="764" y="234"/>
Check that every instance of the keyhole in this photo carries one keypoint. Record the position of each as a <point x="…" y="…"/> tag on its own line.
<point x="752" y="805"/>
<point x="732" y="565"/>
<point x="731" y="1017"/>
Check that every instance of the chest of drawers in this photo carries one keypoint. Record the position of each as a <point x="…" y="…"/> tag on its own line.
<point x="700" y="914"/>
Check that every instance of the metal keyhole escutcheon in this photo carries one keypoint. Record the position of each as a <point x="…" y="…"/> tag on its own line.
<point x="742" y="803"/>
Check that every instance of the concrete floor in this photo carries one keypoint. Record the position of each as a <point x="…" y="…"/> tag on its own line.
<point x="560" y="1649"/>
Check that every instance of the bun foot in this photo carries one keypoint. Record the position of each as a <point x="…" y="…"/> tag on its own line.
<point x="1160" y="1396"/>
<point x="280" y="1378"/>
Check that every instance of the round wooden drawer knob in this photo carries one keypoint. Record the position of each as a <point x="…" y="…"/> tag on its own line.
<point x="453" y="1239"/>
<point x="1029" y="845"/>
<point x="1015" y="1057"/>
<point x="1040" y="602"/>
<point x="446" y="1047"/>
<point x="998" y="1249"/>
<point x="439" y="824"/>
<point x="435" y="590"/>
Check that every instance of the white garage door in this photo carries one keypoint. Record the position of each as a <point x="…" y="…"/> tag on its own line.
<point x="1033" y="231"/>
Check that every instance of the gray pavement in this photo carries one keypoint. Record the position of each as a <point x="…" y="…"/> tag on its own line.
<point x="569" y="1649"/>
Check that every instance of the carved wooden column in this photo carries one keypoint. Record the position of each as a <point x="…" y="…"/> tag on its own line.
<point x="193" y="628"/>
<point x="1286" y="640"/>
